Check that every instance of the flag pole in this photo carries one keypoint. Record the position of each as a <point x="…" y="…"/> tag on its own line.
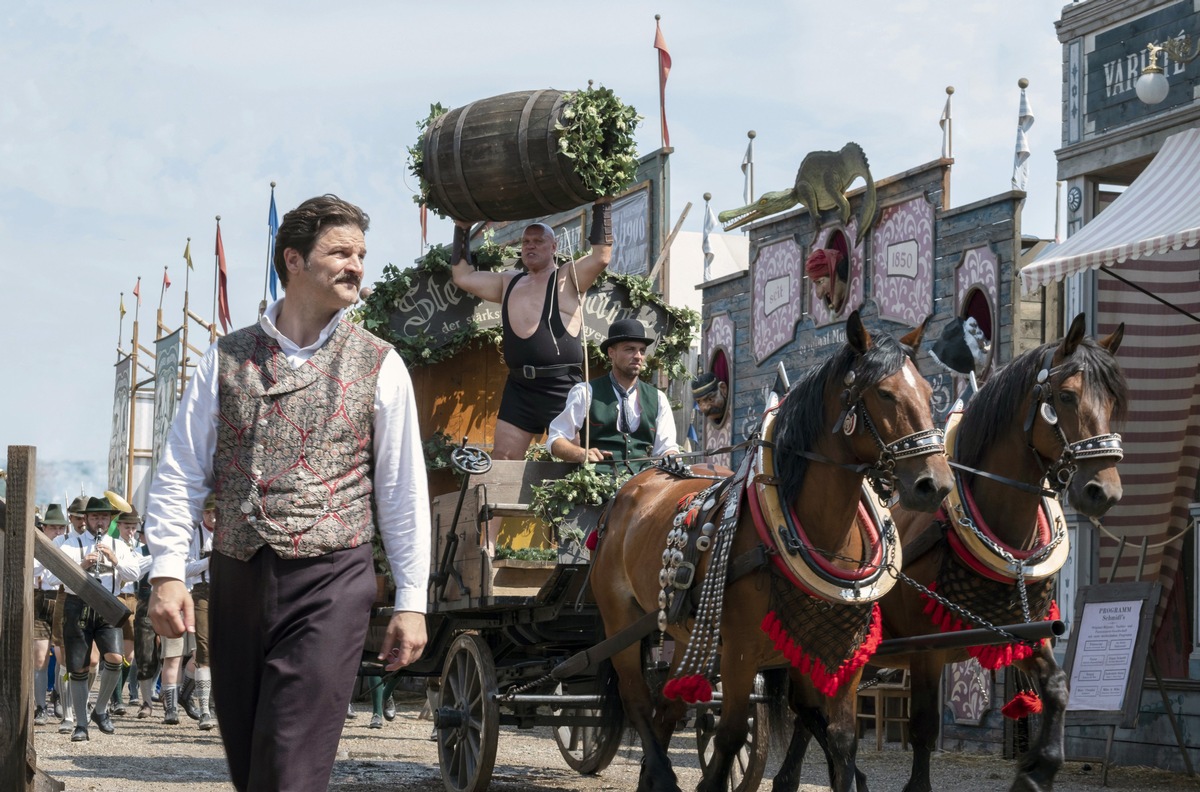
<point x="121" y="327"/>
<point x="262" y="306"/>
<point x="216" y="281"/>
<point x="751" y="134"/>
<point x="162" y="292"/>
<point x="183" y="357"/>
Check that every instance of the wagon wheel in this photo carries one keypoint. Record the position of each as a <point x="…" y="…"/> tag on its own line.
<point x="586" y="749"/>
<point x="467" y="720"/>
<point x="751" y="760"/>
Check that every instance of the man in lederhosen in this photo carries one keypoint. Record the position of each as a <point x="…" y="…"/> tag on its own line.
<point x="64" y="710"/>
<point x="45" y="591"/>
<point x="128" y="525"/>
<point x="107" y="560"/>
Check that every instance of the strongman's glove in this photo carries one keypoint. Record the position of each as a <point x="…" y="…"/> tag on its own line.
<point x="601" y="233"/>
<point x="460" y="249"/>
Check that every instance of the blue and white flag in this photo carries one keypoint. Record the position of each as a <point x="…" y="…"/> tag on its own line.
<point x="1021" y="156"/>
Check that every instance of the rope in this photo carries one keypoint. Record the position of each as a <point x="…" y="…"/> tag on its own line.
<point x="1100" y="526"/>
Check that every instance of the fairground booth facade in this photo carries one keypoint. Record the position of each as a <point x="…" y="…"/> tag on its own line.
<point x="1130" y="164"/>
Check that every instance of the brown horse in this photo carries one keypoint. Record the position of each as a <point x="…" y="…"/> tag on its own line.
<point x="876" y="403"/>
<point x="1044" y="420"/>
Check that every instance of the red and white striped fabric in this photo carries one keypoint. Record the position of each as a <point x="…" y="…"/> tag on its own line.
<point x="1158" y="213"/>
<point x="1160" y="358"/>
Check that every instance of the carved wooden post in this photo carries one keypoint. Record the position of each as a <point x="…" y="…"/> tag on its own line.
<point x="16" y="619"/>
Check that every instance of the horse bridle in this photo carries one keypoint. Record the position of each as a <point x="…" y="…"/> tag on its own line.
<point x="882" y="473"/>
<point x="1060" y="472"/>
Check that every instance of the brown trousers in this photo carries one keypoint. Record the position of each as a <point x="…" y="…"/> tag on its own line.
<point x="286" y="639"/>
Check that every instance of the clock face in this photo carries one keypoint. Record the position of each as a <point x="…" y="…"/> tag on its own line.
<point x="1074" y="199"/>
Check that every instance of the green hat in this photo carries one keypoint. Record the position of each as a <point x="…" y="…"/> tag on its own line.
<point x="99" y="506"/>
<point x="78" y="506"/>
<point x="210" y="503"/>
<point x="54" y="515"/>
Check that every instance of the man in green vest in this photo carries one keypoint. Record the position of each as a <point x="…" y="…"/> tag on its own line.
<point x="628" y="421"/>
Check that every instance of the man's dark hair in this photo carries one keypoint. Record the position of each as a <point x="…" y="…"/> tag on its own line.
<point x="301" y="227"/>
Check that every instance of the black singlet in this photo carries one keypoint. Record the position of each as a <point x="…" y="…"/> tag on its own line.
<point x="540" y="349"/>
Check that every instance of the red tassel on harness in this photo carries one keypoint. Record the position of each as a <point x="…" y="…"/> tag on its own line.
<point x="1023" y="704"/>
<point x="592" y="540"/>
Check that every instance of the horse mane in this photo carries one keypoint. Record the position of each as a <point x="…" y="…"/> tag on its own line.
<point x="993" y="410"/>
<point x="800" y="419"/>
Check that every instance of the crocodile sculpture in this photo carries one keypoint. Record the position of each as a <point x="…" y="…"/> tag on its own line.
<point x="820" y="185"/>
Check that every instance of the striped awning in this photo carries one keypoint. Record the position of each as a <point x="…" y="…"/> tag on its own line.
<point x="1159" y="212"/>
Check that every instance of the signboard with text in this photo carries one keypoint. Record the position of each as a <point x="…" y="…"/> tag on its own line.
<point x="1106" y="656"/>
<point x="435" y="311"/>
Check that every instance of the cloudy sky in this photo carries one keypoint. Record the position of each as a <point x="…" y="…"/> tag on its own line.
<point x="126" y="127"/>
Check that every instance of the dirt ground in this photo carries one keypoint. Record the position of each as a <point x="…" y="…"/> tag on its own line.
<point x="146" y="756"/>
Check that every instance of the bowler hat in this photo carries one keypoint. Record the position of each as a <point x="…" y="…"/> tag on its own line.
<point x="625" y="330"/>
<point x="78" y="505"/>
<point x="54" y="515"/>
<point x="99" y="506"/>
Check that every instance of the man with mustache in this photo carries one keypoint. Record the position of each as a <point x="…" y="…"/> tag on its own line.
<point x="304" y="428"/>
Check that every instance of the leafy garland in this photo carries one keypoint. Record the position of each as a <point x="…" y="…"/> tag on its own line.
<point x="670" y="351"/>
<point x="585" y="486"/>
<point x="416" y="156"/>
<point x="596" y="133"/>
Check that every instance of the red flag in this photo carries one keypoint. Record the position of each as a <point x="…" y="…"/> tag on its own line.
<point x="166" y="279"/>
<point x="137" y="290"/>
<point x="664" y="68"/>
<point x="222" y="285"/>
<point x="424" y="226"/>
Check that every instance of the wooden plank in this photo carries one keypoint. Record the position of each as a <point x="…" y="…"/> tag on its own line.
<point x="16" y="619"/>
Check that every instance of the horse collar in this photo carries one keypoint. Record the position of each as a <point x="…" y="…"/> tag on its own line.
<point x="793" y="555"/>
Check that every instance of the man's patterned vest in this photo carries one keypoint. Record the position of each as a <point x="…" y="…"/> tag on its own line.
<point x="602" y="420"/>
<point x="294" y="446"/>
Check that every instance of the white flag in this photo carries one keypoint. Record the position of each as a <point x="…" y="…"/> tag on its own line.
<point x="1021" y="156"/>
<point x="944" y="123"/>
<point x="710" y="226"/>
<point x="748" y="172"/>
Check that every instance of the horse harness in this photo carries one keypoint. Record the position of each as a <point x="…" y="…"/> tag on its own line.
<point x="707" y="520"/>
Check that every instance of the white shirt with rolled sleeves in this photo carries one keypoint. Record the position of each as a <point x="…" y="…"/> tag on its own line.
<point x="569" y="422"/>
<point x="184" y="476"/>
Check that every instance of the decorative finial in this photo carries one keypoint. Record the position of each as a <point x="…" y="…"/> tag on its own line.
<point x="218" y="218"/>
<point x="657" y="17"/>
<point x="272" y="185"/>
<point x="752" y="134"/>
<point x="949" y="89"/>
<point x="707" y="196"/>
<point x="1022" y="83"/>
<point x="589" y="84"/>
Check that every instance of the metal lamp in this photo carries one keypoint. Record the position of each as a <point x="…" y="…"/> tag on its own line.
<point x="1152" y="86"/>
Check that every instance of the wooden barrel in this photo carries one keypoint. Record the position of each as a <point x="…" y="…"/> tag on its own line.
<point x="498" y="159"/>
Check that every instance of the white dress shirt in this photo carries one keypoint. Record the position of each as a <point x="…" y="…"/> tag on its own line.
<point x="78" y="546"/>
<point x="569" y="422"/>
<point x="184" y="477"/>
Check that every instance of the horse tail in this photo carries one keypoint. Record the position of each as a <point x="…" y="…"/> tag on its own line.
<point x="776" y="691"/>
<point x="612" y="710"/>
